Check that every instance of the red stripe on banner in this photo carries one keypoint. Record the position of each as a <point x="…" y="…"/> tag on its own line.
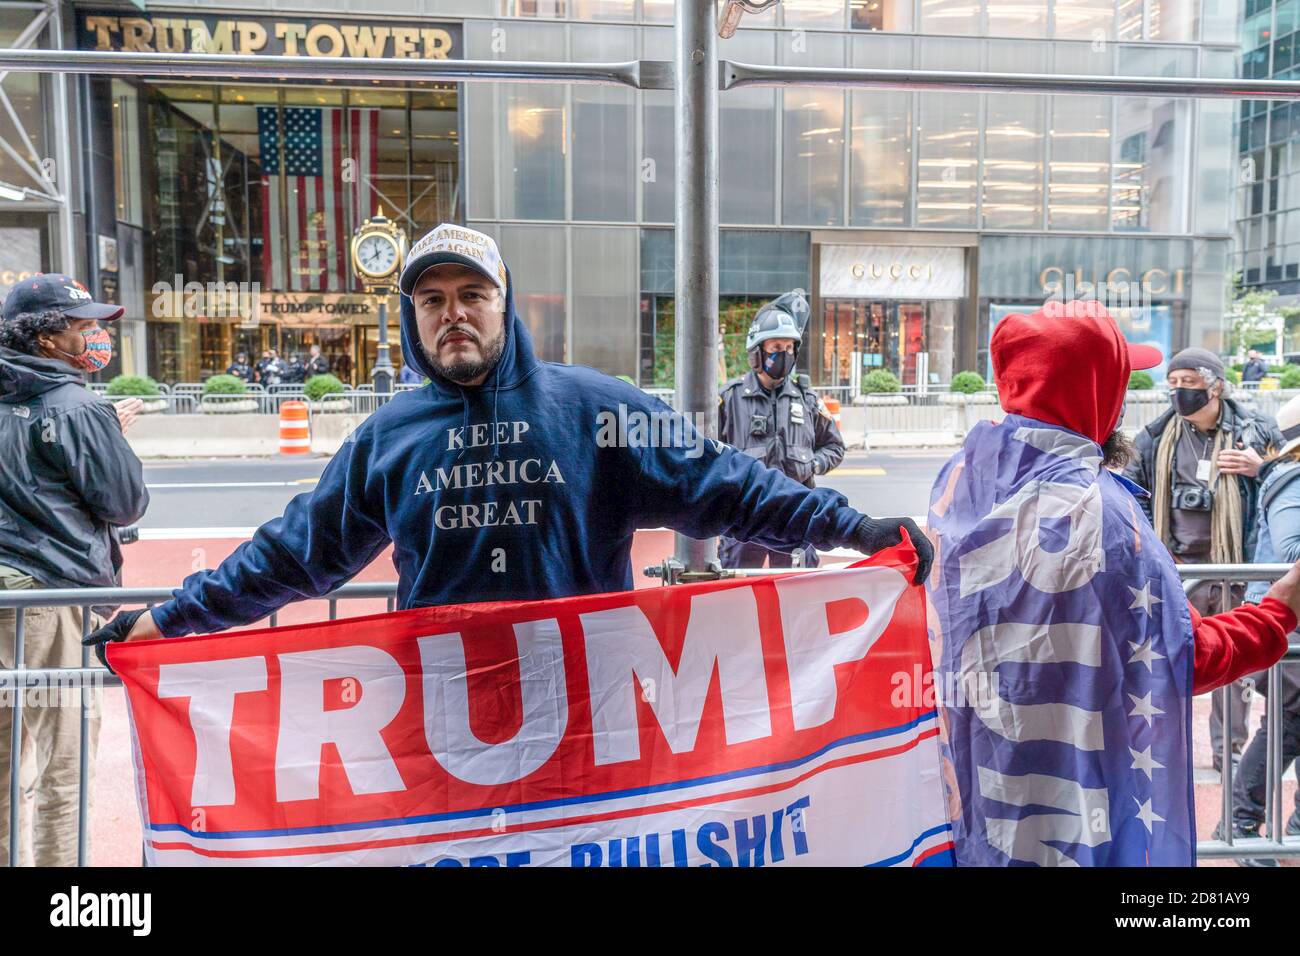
<point x="555" y="824"/>
<point x="338" y="267"/>
<point x="933" y="851"/>
<point x="320" y="233"/>
<point x="297" y="260"/>
<point x="374" y="160"/>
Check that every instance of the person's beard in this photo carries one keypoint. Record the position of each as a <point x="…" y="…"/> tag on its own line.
<point x="1116" y="450"/>
<point x="463" y="372"/>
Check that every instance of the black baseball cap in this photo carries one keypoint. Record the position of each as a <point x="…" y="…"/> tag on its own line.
<point x="55" y="292"/>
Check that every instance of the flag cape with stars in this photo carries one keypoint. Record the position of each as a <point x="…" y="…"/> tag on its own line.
<point x="1064" y="652"/>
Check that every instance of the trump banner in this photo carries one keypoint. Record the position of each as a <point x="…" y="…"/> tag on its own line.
<point x="783" y="721"/>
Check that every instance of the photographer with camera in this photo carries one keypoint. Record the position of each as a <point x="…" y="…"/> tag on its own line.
<point x="69" y="483"/>
<point x="1201" y="461"/>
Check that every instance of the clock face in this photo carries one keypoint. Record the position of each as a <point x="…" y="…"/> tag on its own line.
<point x="376" y="255"/>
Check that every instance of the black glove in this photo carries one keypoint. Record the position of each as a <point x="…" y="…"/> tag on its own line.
<point x="115" y="630"/>
<point x="876" y="534"/>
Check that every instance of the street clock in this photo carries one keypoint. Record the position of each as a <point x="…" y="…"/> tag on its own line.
<point x="378" y="252"/>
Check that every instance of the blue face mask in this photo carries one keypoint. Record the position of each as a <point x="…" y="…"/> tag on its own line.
<point x="777" y="365"/>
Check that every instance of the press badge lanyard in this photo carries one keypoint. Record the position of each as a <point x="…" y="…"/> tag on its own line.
<point x="1202" y="459"/>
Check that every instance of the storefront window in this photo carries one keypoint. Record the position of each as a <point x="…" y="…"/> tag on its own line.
<point x="530" y="161"/>
<point x="1079" y="149"/>
<point x="880" y="138"/>
<point x="821" y="14"/>
<point x="950" y="16"/>
<point x="1084" y="19"/>
<point x="1014" y="142"/>
<point x="888" y="15"/>
<point x="603" y="131"/>
<point x="657" y="165"/>
<point x="604" y="297"/>
<point x="812" y="161"/>
<point x="913" y="339"/>
<point x="260" y="184"/>
<point x="537" y="259"/>
<point x="948" y="136"/>
<point x="1017" y="18"/>
<point x="746" y="138"/>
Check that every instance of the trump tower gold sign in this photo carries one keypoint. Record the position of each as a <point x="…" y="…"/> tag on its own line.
<point x="283" y="36"/>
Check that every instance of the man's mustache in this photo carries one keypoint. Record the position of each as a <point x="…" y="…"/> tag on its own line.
<point x="463" y="330"/>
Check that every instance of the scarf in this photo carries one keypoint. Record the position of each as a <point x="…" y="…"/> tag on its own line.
<point x="1226" y="524"/>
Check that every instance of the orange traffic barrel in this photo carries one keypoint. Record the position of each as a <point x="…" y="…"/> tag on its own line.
<point x="833" y="406"/>
<point x="295" y="432"/>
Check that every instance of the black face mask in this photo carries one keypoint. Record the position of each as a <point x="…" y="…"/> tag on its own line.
<point x="1189" y="401"/>
<point x="777" y="365"/>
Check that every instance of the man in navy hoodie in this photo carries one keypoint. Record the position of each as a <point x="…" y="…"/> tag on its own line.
<point x="503" y="479"/>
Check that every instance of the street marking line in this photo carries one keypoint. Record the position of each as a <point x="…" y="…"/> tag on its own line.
<point x="179" y="534"/>
<point x="856" y="472"/>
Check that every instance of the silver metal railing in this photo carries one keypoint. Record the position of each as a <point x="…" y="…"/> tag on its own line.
<point x="16" y="682"/>
<point x="89" y="676"/>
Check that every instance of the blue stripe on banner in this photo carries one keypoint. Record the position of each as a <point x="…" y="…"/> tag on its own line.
<point x="942" y="860"/>
<point x="899" y="858"/>
<point x="546" y="804"/>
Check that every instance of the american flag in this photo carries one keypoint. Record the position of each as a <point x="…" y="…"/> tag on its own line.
<point x="320" y="208"/>
<point x="1064" y="652"/>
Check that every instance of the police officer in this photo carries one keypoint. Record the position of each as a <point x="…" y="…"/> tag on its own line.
<point x="774" y="415"/>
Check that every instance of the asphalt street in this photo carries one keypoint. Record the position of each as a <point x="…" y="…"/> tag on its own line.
<point x="209" y="494"/>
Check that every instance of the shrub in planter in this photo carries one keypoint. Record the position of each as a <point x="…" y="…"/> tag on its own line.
<point x="966" y="383"/>
<point x="224" y="385"/>
<point x="1291" y="377"/>
<point x="319" y="387"/>
<point x="881" y="381"/>
<point x="1140" y="381"/>
<point x="1232" y="375"/>
<point x="133" y="386"/>
<point x="227" y="394"/>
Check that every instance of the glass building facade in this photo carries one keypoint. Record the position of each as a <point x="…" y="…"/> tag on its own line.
<point x="1266" y="185"/>
<point x="915" y="220"/>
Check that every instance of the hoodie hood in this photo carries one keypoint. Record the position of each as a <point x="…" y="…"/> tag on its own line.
<point x="1067" y="364"/>
<point x="517" y="360"/>
<point x="23" y="376"/>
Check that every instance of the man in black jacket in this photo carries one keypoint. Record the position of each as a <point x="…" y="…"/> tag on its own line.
<point x="68" y="479"/>
<point x="1255" y="369"/>
<point x="1200" y="460"/>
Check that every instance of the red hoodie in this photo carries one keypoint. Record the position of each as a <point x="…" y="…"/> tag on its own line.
<point x="1068" y="364"/>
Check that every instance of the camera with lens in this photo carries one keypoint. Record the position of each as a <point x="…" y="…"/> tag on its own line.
<point x="1192" y="498"/>
<point x="758" y="425"/>
<point x="127" y="535"/>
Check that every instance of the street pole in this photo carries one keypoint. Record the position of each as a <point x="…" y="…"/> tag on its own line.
<point x="382" y="373"/>
<point x="67" y="241"/>
<point x="696" y="258"/>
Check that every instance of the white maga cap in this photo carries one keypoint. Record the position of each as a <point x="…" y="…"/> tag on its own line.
<point x="451" y="243"/>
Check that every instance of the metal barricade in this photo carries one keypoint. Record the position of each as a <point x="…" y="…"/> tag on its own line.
<point x="1276" y="845"/>
<point x="17" y="682"/>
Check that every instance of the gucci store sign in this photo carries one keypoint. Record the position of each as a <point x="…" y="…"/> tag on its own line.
<point x="892" y="272"/>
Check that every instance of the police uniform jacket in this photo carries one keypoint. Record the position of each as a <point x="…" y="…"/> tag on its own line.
<point x="789" y="429"/>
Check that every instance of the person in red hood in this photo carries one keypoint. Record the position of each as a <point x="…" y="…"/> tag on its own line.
<point x="1069" y="364"/>
<point x="1063" y="642"/>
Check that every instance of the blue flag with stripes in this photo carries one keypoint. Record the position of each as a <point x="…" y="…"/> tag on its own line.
<point x="1063" y="645"/>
